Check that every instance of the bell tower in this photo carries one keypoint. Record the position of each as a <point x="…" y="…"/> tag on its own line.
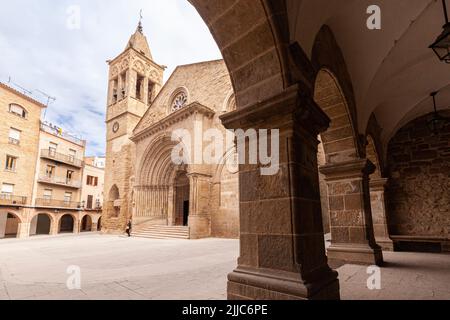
<point x="134" y="81"/>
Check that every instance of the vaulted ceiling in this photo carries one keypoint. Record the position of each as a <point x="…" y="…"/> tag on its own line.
<point x="392" y="70"/>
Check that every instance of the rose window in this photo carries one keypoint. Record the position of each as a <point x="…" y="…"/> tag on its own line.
<point x="179" y="102"/>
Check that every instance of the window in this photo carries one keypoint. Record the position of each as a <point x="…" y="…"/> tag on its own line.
<point x="92" y="181"/>
<point x="52" y="149"/>
<point x="69" y="176"/>
<point x="48" y="194"/>
<point x="14" y="136"/>
<point x="139" y="87"/>
<point x="72" y="155"/>
<point x="123" y="90"/>
<point x="11" y="163"/>
<point x="68" y="197"/>
<point x="179" y="101"/>
<point x="17" y="110"/>
<point x="114" y="97"/>
<point x="90" y="201"/>
<point x="7" y="189"/>
<point x="50" y="171"/>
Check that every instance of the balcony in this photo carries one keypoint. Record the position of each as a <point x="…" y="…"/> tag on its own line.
<point x="50" y="203"/>
<point x="63" y="158"/>
<point x="11" y="200"/>
<point x="58" y="132"/>
<point x="63" y="182"/>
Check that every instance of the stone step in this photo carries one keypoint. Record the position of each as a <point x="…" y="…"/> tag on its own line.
<point x="186" y="234"/>
<point x="159" y="236"/>
<point x="162" y="229"/>
<point x="161" y="232"/>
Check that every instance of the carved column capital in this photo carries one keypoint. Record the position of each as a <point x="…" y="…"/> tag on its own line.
<point x="357" y="168"/>
<point x="378" y="184"/>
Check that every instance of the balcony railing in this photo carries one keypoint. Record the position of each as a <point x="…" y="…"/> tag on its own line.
<point x="60" y="181"/>
<point x="54" y="130"/>
<point x="64" y="158"/>
<point x="50" y="203"/>
<point x="11" y="200"/>
<point x="14" y="141"/>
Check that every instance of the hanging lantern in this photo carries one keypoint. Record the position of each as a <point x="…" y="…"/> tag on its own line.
<point x="442" y="44"/>
<point x="437" y="123"/>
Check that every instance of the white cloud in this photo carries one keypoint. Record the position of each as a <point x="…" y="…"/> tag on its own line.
<point x="40" y="52"/>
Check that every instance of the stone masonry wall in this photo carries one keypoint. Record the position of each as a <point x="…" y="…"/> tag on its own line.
<point x="419" y="189"/>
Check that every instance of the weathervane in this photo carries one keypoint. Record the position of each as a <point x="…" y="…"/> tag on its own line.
<point x="140" y="28"/>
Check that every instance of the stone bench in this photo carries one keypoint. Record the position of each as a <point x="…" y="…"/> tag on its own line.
<point x="421" y="243"/>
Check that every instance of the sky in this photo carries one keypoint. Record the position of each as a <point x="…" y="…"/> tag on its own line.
<point x="61" y="47"/>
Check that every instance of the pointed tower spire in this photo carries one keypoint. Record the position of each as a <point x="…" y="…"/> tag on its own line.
<point x="138" y="41"/>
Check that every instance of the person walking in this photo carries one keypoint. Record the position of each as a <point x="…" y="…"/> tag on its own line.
<point x="129" y="225"/>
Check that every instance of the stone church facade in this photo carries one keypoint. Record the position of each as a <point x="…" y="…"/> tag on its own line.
<point x="143" y="183"/>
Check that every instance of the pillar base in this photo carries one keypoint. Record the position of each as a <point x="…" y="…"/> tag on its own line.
<point x="199" y="227"/>
<point x="353" y="254"/>
<point x="261" y="284"/>
<point x="386" y="244"/>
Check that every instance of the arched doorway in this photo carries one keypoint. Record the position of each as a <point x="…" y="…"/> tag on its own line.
<point x="40" y="225"/>
<point x="86" y="224"/>
<point x="9" y="225"/>
<point x="66" y="224"/>
<point x="99" y="224"/>
<point x="113" y="208"/>
<point x="182" y="199"/>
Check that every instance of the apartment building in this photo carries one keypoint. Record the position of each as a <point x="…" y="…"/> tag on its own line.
<point x="19" y="140"/>
<point x="42" y="173"/>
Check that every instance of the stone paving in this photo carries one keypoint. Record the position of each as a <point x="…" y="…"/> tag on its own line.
<point x="131" y="268"/>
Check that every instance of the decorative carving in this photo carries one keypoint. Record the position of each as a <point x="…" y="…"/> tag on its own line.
<point x="114" y="72"/>
<point x="139" y="67"/>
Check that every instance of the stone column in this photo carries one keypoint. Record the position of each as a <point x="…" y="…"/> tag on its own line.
<point x="199" y="214"/>
<point x="54" y="226"/>
<point x="3" y="221"/>
<point x="352" y="234"/>
<point x="23" y="230"/>
<point x="379" y="216"/>
<point x="76" y="226"/>
<point x="132" y="79"/>
<point x="171" y="207"/>
<point x="144" y="91"/>
<point x="282" y="247"/>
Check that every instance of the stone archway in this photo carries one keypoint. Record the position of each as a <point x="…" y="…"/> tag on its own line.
<point x="99" y="224"/>
<point x="339" y="141"/>
<point x="347" y="178"/>
<point x="253" y="37"/>
<point x="9" y="225"/>
<point x="112" y="206"/>
<point x="154" y="191"/>
<point x="67" y="224"/>
<point x="41" y="224"/>
<point x="86" y="224"/>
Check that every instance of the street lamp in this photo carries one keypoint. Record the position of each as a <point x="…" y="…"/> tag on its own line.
<point x="442" y="44"/>
<point x="437" y="122"/>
